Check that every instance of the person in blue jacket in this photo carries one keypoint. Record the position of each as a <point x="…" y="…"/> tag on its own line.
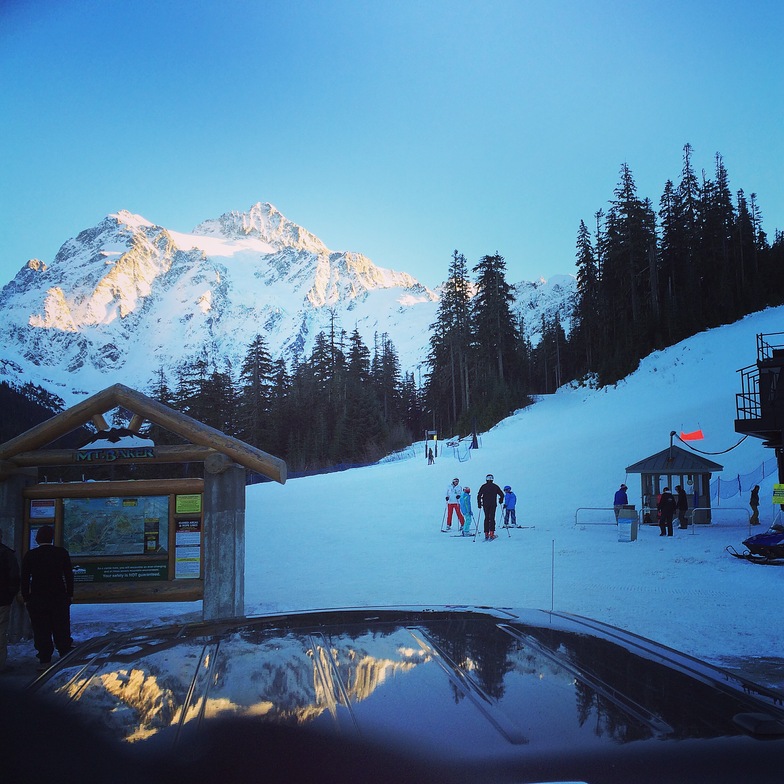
<point x="620" y="499"/>
<point x="510" y="502"/>
<point x="468" y="512"/>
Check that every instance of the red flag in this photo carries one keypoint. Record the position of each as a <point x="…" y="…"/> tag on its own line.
<point x="695" y="436"/>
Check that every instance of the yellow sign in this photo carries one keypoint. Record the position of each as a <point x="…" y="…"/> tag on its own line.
<point x="778" y="494"/>
<point x="188" y="504"/>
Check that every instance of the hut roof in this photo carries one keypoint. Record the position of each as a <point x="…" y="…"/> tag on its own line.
<point x="674" y="460"/>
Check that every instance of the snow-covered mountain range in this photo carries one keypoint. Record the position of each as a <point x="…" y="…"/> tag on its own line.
<point x="128" y="296"/>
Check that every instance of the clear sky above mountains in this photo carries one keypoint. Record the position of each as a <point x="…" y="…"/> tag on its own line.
<point x="400" y="130"/>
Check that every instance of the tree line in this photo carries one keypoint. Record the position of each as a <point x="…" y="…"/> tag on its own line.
<point x="344" y="404"/>
<point x="646" y="279"/>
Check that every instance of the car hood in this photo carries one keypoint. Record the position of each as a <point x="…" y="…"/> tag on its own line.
<point x="484" y="689"/>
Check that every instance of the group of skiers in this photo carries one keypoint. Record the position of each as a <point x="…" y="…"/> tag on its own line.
<point x="458" y="503"/>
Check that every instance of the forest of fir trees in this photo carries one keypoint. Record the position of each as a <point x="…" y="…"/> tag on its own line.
<point x="646" y="278"/>
<point x="342" y="405"/>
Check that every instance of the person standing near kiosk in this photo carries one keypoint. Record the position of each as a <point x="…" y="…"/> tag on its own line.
<point x="47" y="589"/>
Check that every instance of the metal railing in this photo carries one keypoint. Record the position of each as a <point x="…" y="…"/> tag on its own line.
<point x="747" y="402"/>
<point x="712" y="511"/>
<point x="765" y="347"/>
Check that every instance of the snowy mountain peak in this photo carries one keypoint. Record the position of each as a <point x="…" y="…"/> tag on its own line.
<point x="129" y="297"/>
<point x="264" y="222"/>
<point x="129" y="220"/>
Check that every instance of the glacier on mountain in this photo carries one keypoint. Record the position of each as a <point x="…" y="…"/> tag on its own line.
<point x="128" y="297"/>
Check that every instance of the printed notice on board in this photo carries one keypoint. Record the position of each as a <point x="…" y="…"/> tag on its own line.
<point x="188" y="504"/>
<point x="42" y="508"/>
<point x="187" y="553"/>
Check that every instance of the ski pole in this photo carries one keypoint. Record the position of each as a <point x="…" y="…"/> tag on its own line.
<point x="443" y="520"/>
<point x="479" y="514"/>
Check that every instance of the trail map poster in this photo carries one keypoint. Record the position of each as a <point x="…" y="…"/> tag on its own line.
<point x="116" y="526"/>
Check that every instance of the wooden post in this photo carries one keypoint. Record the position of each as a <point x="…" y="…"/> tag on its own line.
<point x="223" y="541"/>
<point x="12" y="526"/>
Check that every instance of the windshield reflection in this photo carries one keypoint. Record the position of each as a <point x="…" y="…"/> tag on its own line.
<point x="510" y="683"/>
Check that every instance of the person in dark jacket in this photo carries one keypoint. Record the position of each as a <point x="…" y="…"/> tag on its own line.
<point x="754" y="504"/>
<point x="682" y="502"/>
<point x="47" y="589"/>
<point x="9" y="588"/>
<point x="666" y="507"/>
<point x="487" y="499"/>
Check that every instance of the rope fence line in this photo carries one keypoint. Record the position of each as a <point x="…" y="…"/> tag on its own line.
<point x="742" y="483"/>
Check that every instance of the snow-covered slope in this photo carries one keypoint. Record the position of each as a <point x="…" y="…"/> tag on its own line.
<point x="127" y="297"/>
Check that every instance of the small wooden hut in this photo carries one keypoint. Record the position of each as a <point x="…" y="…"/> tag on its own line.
<point x="672" y="467"/>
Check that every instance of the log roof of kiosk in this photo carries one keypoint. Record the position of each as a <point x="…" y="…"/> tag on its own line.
<point x="145" y="407"/>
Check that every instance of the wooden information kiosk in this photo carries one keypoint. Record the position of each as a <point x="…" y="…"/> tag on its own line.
<point x="136" y="540"/>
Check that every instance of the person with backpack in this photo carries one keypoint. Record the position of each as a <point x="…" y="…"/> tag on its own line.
<point x="487" y="499"/>
<point x="47" y="589"/>
<point x="510" y="503"/>
<point x="9" y="588"/>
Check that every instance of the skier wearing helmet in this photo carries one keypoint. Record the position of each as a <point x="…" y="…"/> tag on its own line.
<point x="468" y="512"/>
<point x="510" y="502"/>
<point x="487" y="498"/>
<point x="453" y="503"/>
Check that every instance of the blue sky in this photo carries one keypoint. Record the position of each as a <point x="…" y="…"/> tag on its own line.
<point x="402" y="130"/>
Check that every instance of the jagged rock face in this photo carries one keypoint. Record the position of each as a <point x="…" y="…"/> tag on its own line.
<point x="127" y="297"/>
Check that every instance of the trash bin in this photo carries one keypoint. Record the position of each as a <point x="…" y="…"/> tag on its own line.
<point x="627" y="523"/>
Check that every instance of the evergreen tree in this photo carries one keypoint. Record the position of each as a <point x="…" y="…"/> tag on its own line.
<point x="360" y="430"/>
<point x="499" y="371"/>
<point x="281" y="415"/>
<point x="448" y="391"/>
<point x="587" y="323"/>
<point x="219" y="402"/>
<point x="255" y="394"/>
<point x="719" y="295"/>
<point x="494" y="327"/>
<point x="385" y="373"/>
<point x="627" y="243"/>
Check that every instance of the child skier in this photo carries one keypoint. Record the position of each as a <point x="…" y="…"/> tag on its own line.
<point x="510" y="502"/>
<point x="468" y="512"/>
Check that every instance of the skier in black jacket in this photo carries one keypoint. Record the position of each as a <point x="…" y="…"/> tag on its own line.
<point x="486" y="499"/>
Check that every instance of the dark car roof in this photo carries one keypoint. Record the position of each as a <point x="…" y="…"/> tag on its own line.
<point x="517" y="695"/>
